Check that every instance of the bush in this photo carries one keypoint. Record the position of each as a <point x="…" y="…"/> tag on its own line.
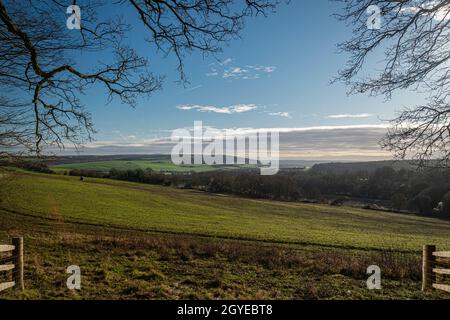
<point x="422" y="203"/>
<point x="399" y="201"/>
<point x="35" y="166"/>
<point x="446" y="203"/>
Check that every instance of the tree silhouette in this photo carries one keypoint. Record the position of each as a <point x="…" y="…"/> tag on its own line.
<point x="41" y="79"/>
<point x="414" y="39"/>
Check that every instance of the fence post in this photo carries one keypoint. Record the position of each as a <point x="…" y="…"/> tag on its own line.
<point x="18" y="263"/>
<point x="428" y="263"/>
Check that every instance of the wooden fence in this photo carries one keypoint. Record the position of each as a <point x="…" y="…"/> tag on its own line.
<point x="435" y="268"/>
<point x="12" y="262"/>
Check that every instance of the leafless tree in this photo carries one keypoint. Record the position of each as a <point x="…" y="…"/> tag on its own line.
<point x="41" y="79"/>
<point x="414" y="41"/>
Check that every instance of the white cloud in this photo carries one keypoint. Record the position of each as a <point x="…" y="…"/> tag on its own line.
<point x="281" y="114"/>
<point x="250" y="131"/>
<point x="212" y="72"/>
<point x="226" y="61"/>
<point x="234" y="72"/>
<point x="248" y="72"/>
<point x="350" y="116"/>
<point x="239" y="108"/>
<point x="185" y="107"/>
<point x="244" y="108"/>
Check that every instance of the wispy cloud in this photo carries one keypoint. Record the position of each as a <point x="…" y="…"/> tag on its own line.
<point x="235" y="72"/>
<point x="226" y="62"/>
<point x="250" y="131"/>
<point x="248" y="72"/>
<point x="281" y="114"/>
<point x="213" y="72"/>
<point x="350" y="116"/>
<point x="239" y="108"/>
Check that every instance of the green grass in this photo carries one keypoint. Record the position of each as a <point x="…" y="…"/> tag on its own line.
<point x="156" y="165"/>
<point x="121" y="264"/>
<point x="136" y="241"/>
<point x="163" y="209"/>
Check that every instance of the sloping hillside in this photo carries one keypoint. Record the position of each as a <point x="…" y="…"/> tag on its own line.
<point x="136" y="241"/>
<point x="164" y="209"/>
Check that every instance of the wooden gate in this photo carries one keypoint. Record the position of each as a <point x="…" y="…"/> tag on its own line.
<point x="435" y="269"/>
<point x="11" y="259"/>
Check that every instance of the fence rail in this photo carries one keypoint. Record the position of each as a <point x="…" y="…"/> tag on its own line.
<point x="6" y="248"/>
<point x="435" y="268"/>
<point x="14" y="263"/>
<point x="442" y="254"/>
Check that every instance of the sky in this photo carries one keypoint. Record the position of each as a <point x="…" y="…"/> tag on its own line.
<point x="276" y="76"/>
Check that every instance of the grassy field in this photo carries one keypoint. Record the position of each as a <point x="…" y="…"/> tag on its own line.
<point x="156" y="165"/>
<point x="130" y="264"/>
<point x="142" y="241"/>
<point x="155" y="208"/>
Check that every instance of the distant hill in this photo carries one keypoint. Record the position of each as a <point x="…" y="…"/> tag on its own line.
<point x="58" y="160"/>
<point x="159" y="163"/>
<point x="292" y="164"/>
<point x="370" y="166"/>
<point x="316" y="165"/>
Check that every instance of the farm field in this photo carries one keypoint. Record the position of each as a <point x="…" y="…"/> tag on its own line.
<point x="131" y="264"/>
<point x="136" y="241"/>
<point x="156" y="165"/>
<point x="153" y="208"/>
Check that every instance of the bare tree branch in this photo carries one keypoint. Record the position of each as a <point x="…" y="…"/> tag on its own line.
<point x="414" y="41"/>
<point x="42" y="82"/>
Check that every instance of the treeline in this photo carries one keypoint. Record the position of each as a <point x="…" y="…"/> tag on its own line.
<point x="37" y="166"/>
<point x="425" y="191"/>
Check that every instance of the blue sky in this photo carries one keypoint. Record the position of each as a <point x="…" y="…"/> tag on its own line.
<point x="276" y="76"/>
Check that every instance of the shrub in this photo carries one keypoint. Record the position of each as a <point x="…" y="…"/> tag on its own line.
<point x="446" y="203"/>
